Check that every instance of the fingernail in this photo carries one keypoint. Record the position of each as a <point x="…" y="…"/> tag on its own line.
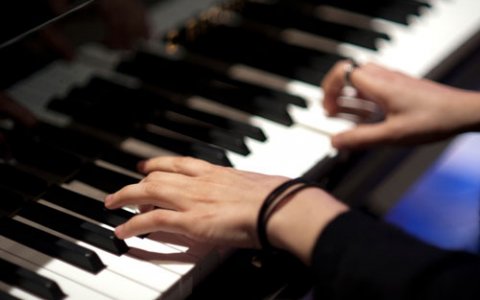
<point x="119" y="232"/>
<point x="337" y="142"/>
<point x="108" y="200"/>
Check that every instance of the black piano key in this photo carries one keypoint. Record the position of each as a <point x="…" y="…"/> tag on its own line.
<point x="220" y="91"/>
<point x="5" y="296"/>
<point x="25" y="279"/>
<point x="150" y="101"/>
<point x="275" y="96"/>
<point x="51" y="245"/>
<point x="127" y="117"/>
<point x="231" y="96"/>
<point x="21" y="182"/>
<point x="104" y="179"/>
<point x="193" y="71"/>
<point x="119" y="125"/>
<point x="184" y="147"/>
<point x="10" y="202"/>
<point x="122" y="159"/>
<point x="86" y="206"/>
<point x="88" y="147"/>
<point x="238" y="45"/>
<point x="121" y="122"/>
<point x="74" y="227"/>
<point x="71" y="140"/>
<point x="221" y="138"/>
<point x="51" y="160"/>
<point x="393" y="10"/>
<point x="242" y="128"/>
<point x="285" y="16"/>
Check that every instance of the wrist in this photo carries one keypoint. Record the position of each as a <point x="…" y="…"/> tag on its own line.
<point x="468" y="112"/>
<point x="297" y="224"/>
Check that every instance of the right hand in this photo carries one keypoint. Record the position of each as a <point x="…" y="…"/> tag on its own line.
<point x="416" y="110"/>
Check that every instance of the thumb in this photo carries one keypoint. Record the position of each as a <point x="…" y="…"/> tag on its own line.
<point x="362" y="136"/>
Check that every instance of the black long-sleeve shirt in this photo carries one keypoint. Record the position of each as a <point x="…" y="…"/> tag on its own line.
<point x="360" y="257"/>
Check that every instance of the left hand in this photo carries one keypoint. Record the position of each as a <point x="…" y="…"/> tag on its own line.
<point x="205" y="202"/>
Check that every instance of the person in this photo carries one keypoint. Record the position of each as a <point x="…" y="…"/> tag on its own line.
<point x="349" y="253"/>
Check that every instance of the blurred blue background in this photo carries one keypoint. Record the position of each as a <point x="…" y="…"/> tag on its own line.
<point x="443" y="206"/>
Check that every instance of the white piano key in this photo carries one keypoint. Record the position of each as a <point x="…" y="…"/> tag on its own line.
<point x="302" y="146"/>
<point x="151" y="279"/>
<point x="52" y="269"/>
<point x="433" y="42"/>
<point x="144" y="149"/>
<point x="145" y="249"/>
<point x="118" y="169"/>
<point x="17" y="292"/>
<point x="429" y="44"/>
<point x="313" y="116"/>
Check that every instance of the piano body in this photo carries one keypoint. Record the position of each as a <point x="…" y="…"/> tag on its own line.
<point x="231" y="82"/>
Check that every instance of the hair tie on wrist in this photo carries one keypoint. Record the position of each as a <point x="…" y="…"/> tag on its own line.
<point x="272" y="201"/>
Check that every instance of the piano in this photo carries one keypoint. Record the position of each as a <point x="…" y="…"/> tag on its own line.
<point x="232" y="82"/>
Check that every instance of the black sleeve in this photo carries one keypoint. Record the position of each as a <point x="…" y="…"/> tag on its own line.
<point x="360" y="257"/>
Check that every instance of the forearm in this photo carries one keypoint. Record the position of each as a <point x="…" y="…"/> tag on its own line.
<point x="466" y="110"/>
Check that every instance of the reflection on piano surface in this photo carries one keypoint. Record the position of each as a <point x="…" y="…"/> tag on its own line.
<point x="234" y="83"/>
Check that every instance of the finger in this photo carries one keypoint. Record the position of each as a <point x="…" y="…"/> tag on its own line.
<point x="363" y="136"/>
<point x="156" y="220"/>
<point x="156" y="193"/>
<point x="332" y="85"/>
<point x="16" y="111"/>
<point x="374" y="82"/>
<point x="370" y="80"/>
<point x="184" y="165"/>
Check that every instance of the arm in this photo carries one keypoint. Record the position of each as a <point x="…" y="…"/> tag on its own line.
<point x="416" y="110"/>
<point x="350" y="254"/>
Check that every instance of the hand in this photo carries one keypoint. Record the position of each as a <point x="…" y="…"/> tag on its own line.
<point x="416" y="110"/>
<point x="220" y="205"/>
<point x="199" y="200"/>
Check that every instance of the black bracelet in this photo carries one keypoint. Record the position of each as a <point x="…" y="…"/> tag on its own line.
<point x="272" y="201"/>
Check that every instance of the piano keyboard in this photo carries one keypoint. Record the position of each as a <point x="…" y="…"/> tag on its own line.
<point x="243" y="93"/>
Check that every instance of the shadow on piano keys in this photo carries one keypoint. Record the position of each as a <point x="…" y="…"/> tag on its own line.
<point x="240" y="90"/>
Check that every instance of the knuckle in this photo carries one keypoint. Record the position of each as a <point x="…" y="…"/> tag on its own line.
<point x="150" y="188"/>
<point x="180" y="163"/>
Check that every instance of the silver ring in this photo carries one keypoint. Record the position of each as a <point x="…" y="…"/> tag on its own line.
<point x="352" y="65"/>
